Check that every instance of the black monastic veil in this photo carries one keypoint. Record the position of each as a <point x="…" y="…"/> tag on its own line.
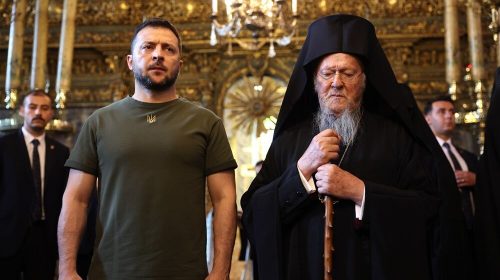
<point x="487" y="223"/>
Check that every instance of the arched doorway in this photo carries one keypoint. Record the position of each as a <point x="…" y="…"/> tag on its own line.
<point x="251" y="107"/>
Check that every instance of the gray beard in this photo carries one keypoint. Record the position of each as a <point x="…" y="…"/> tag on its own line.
<point x="346" y="125"/>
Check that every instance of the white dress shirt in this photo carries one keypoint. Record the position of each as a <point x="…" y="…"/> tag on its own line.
<point x="41" y="151"/>
<point x="460" y="159"/>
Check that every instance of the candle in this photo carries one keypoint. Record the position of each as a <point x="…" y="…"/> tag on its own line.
<point x="229" y="9"/>
<point x="294" y="7"/>
<point x="214" y="7"/>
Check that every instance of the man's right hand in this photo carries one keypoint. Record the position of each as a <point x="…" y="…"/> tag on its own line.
<point x="324" y="147"/>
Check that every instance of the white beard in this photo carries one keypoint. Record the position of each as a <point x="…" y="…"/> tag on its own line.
<point x="346" y="125"/>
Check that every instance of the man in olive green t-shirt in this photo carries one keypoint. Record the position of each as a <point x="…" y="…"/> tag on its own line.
<point x="153" y="153"/>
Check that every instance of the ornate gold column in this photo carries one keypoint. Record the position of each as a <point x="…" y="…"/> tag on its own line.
<point x="15" y="53"/>
<point x="498" y="49"/>
<point x="452" y="47"/>
<point x="475" y="39"/>
<point x="478" y="70"/>
<point x="65" y="59"/>
<point x="64" y="65"/>
<point x="495" y="30"/>
<point x="39" y="58"/>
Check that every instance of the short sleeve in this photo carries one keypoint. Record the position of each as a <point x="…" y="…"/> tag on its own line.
<point x="219" y="156"/>
<point x="83" y="156"/>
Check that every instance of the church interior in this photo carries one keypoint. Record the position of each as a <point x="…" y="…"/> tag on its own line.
<point x="238" y="58"/>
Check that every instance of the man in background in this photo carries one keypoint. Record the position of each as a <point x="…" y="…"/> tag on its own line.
<point x="440" y="115"/>
<point x="32" y="183"/>
<point x="249" y="269"/>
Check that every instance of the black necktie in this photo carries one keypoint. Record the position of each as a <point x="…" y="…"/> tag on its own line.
<point x="453" y="158"/>
<point x="464" y="192"/>
<point x="37" y="178"/>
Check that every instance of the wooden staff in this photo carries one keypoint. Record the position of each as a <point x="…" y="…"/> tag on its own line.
<point x="328" y="242"/>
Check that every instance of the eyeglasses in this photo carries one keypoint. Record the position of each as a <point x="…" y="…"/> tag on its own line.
<point x="345" y="75"/>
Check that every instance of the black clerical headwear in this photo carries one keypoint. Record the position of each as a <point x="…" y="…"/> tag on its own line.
<point x="333" y="34"/>
<point x="383" y="94"/>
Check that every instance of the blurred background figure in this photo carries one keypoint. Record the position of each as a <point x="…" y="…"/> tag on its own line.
<point x="487" y="227"/>
<point x="440" y="115"/>
<point x="246" y="252"/>
<point x="33" y="178"/>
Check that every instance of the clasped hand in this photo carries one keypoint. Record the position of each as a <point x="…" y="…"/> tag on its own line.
<point x="324" y="147"/>
<point x="330" y="178"/>
<point x="465" y="179"/>
<point x="333" y="180"/>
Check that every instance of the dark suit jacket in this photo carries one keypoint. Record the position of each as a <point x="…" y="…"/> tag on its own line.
<point x="471" y="160"/>
<point x="17" y="191"/>
<point x="472" y="163"/>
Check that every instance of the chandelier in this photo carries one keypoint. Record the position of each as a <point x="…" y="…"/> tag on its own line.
<point x="265" y="21"/>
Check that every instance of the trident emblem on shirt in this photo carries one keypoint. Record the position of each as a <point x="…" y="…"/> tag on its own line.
<point x="151" y="118"/>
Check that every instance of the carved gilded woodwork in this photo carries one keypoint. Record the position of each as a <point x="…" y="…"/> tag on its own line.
<point x="411" y="34"/>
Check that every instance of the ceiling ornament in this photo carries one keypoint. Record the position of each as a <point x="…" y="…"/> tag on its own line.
<point x="254" y="23"/>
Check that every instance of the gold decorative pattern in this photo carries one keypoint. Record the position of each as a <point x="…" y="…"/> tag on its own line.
<point x="411" y="34"/>
<point x="428" y="89"/>
<point x="251" y="101"/>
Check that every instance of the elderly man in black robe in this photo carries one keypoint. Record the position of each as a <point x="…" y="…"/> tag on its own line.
<point x="347" y="129"/>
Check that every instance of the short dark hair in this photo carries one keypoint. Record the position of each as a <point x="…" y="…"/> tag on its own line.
<point x="428" y="105"/>
<point x="155" y="22"/>
<point x="36" y="92"/>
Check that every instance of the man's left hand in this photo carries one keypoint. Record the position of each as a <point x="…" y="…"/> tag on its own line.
<point x="465" y="179"/>
<point x="333" y="180"/>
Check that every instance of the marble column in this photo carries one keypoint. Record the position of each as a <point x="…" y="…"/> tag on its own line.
<point x="494" y="26"/>
<point x="475" y="36"/>
<point x="65" y="59"/>
<point x="15" y="53"/>
<point x="452" y="47"/>
<point x="498" y="49"/>
<point x="39" y="58"/>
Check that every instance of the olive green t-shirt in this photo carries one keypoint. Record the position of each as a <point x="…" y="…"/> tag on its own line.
<point x="152" y="161"/>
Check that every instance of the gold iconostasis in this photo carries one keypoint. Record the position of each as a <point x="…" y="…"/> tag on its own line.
<point x="242" y="76"/>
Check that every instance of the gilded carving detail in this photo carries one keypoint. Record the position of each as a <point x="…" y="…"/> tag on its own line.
<point x="428" y="89"/>
<point x="96" y="66"/>
<point x="410" y="27"/>
<point x="372" y="8"/>
<point x="114" y="91"/>
<point x="405" y="29"/>
<point x="190" y="93"/>
<point x="96" y="37"/>
<point x="131" y="12"/>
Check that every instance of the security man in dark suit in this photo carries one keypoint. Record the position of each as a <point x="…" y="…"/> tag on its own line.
<point x="32" y="182"/>
<point x="440" y="115"/>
